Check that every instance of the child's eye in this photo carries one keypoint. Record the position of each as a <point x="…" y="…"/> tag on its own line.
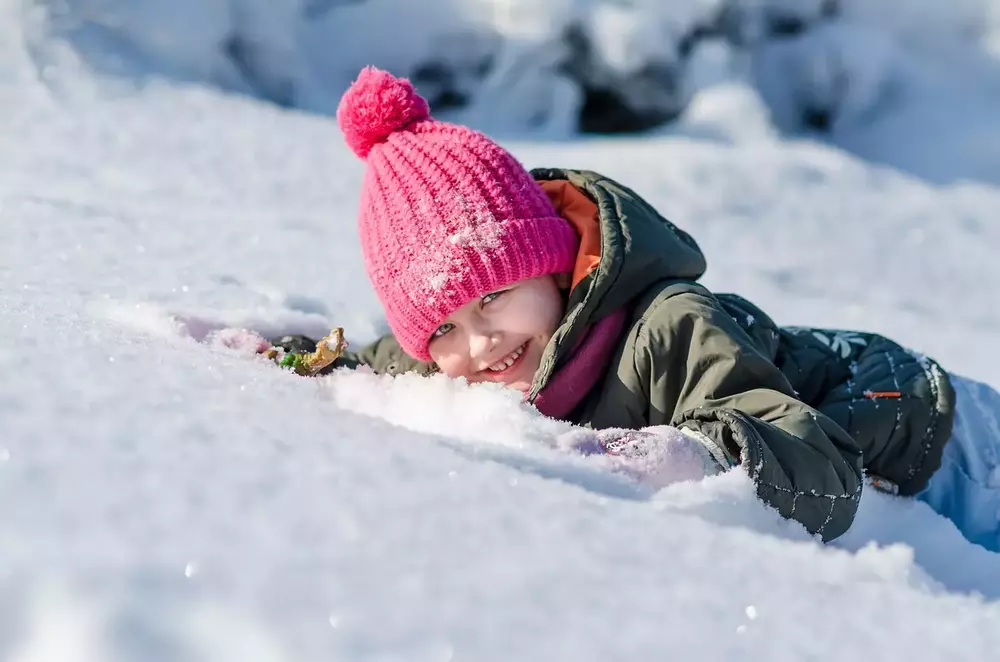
<point x="491" y="296"/>
<point x="442" y="330"/>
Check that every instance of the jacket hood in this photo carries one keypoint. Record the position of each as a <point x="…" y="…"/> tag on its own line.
<point x="639" y="247"/>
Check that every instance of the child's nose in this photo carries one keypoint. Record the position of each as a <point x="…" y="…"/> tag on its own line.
<point x="481" y="345"/>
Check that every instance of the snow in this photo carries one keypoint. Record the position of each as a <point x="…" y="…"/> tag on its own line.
<point x="166" y="496"/>
<point x="506" y="63"/>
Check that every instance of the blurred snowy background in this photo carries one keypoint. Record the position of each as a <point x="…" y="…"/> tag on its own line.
<point x="168" y="168"/>
<point x="863" y="73"/>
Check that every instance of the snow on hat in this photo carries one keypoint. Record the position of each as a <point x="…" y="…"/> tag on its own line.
<point x="446" y="215"/>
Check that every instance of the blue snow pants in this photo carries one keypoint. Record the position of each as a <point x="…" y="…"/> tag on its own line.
<point x="966" y="489"/>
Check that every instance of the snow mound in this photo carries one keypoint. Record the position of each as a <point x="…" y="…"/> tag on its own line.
<point x="164" y="496"/>
<point x="549" y="68"/>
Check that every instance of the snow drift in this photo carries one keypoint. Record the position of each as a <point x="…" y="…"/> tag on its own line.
<point x="163" y="497"/>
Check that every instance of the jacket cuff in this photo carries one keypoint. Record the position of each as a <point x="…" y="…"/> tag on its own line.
<point x="718" y="455"/>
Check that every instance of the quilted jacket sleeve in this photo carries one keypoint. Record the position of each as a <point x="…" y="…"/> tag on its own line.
<point x="704" y="374"/>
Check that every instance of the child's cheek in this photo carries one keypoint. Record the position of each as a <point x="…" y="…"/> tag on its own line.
<point x="450" y="367"/>
<point x="447" y="360"/>
<point x="530" y="317"/>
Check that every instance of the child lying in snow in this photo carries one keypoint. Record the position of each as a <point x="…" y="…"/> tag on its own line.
<point x="569" y="287"/>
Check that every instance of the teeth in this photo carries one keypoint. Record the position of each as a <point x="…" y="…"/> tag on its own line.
<point x="506" y="363"/>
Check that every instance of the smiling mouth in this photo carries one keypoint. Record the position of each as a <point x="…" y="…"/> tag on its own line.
<point x="508" y="362"/>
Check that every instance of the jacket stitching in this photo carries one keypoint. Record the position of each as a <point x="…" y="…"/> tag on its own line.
<point x="933" y="379"/>
<point x="752" y="446"/>
<point x="850" y="403"/>
<point x="754" y="470"/>
<point x="898" y="401"/>
<point x="755" y="475"/>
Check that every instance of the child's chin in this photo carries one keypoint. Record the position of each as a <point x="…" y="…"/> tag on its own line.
<point x="521" y="382"/>
<point x="519" y="385"/>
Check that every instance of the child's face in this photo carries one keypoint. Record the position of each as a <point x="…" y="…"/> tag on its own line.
<point x="500" y="337"/>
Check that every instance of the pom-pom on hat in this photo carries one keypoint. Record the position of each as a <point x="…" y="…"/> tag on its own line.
<point x="376" y="105"/>
<point x="446" y="215"/>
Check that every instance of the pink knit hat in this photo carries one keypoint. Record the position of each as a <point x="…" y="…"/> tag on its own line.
<point x="446" y="214"/>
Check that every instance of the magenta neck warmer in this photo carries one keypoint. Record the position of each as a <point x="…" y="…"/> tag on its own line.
<point x="571" y="383"/>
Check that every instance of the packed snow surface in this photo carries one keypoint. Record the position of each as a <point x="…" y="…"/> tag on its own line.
<point x="164" y="497"/>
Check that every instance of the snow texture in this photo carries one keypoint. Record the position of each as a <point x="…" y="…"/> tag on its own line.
<point x="866" y="74"/>
<point x="164" y="495"/>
